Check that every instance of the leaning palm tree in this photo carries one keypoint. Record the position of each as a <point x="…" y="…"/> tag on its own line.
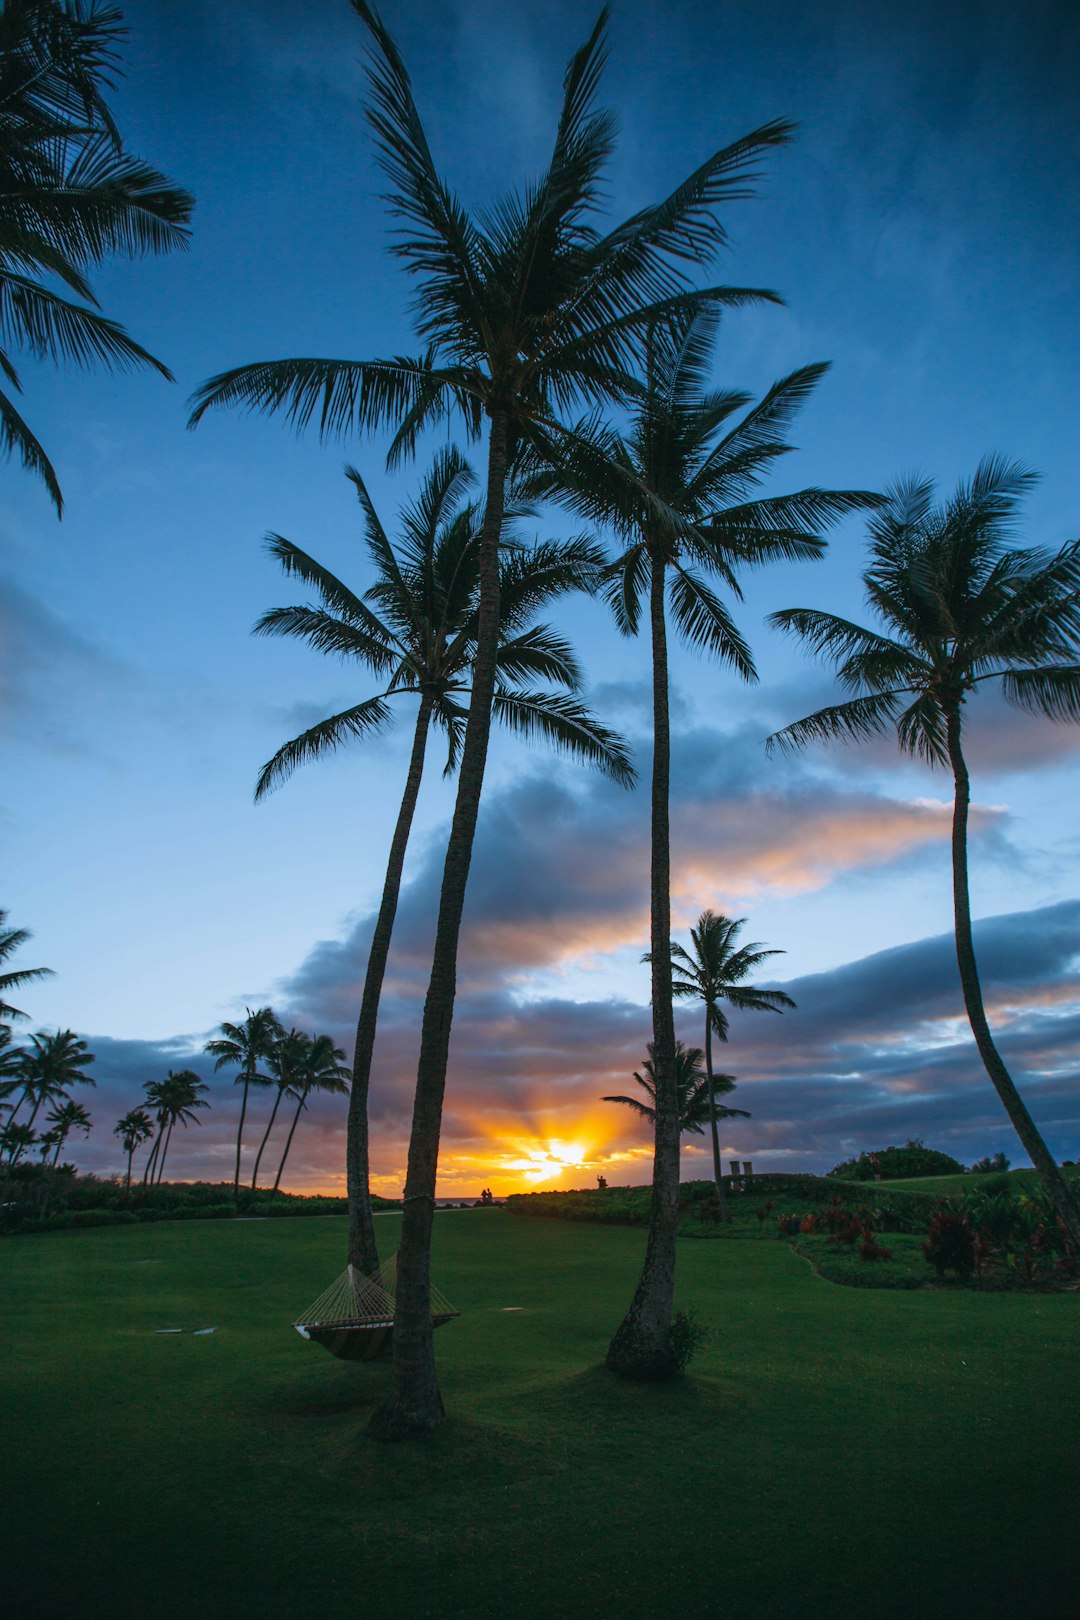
<point x="70" y="196"/>
<point x="286" y="1064"/>
<point x="696" y="1091"/>
<point x="246" y="1045"/>
<point x="49" y="1066"/>
<point x="63" y="1119"/>
<point x="678" y="489"/>
<point x="134" y="1128"/>
<point x="10" y="940"/>
<point x="961" y="607"/>
<point x="523" y="311"/>
<point x="714" y="970"/>
<point x="323" y="1069"/>
<point x="174" y="1100"/>
<point x="415" y="629"/>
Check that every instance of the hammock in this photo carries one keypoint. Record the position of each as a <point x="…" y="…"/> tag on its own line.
<point x="354" y="1317"/>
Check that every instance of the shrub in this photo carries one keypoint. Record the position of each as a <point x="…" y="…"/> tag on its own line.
<point x="950" y="1244"/>
<point x="898" y="1164"/>
<point x="686" y="1335"/>
<point x="989" y="1164"/>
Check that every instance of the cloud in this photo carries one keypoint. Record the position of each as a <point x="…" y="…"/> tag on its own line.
<point x="48" y="673"/>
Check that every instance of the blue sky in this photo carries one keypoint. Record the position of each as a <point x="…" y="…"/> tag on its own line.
<point x="923" y="231"/>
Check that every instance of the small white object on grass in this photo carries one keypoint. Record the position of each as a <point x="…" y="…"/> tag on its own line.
<point x="198" y="1332"/>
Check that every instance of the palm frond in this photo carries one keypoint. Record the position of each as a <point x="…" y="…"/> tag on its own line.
<point x="349" y="396"/>
<point x="1054" y="692"/>
<point x="53" y="328"/>
<point x="705" y="621"/>
<point x="857" y="720"/>
<point x="569" y="726"/>
<point x="17" y="438"/>
<point x="324" y="738"/>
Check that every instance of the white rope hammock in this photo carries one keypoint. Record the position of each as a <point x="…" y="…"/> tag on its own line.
<point x="354" y="1317"/>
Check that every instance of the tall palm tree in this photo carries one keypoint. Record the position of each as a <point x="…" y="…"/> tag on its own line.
<point x="286" y="1064"/>
<point x="523" y="310"/>
<point x="696" y="1091"/>
<point x="70" y="196"/>
<point x="678" y="490"/>
<point x="246" y="1045"/>
<point x="960" y="607"/>
<point x="715" y="970"/>
<point x="323" y="1069"/>
<point x="134" y="1128"/>
<point x="11" y="939"/>
<point x="49" y="1066"/>
<point x="174" y="1100"/>
<point x="63" y="1119"/>
<point x="415" y="628"/>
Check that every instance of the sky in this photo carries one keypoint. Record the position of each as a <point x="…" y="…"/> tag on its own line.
<point x="922" y="230"/>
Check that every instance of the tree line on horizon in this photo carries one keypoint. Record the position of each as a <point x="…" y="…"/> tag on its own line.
<point x="583" y="356"/>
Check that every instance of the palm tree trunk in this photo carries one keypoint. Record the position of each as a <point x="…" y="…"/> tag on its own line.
<point x="721" y="1196"/>
<point x="164" y="1150"/>
<point x="239" y="1139"/>
<point x="288" y="1142"/>
<point x="127" y="1182"/>
<point x="266" y="1138"/>
<point x="363" y="1252"/>
<point x="1022" y="1122"/>
<point x="640" y="1346"/>
<point x="152" y="1157"/>
<point x="415" y="1404"/>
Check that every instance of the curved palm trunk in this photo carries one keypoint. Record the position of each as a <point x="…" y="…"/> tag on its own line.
<point x="240" y="1138"/>
<point x="363" y="1252"/>
<point x="164" y="1150"/>
<point x="151" y="1160"/>
<point x="266" y="1137"/>
<point x="288" y="1143"/>
<point x="640" y="1346"/>
<point x="1022" y="1122"/>
<point x="415" y="1404"/>
<point x="721" y="1196"/>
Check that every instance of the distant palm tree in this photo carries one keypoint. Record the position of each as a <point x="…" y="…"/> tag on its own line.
<point x="49" y="1066"/>
<point x="246" y="1045"/>
<point x="523" y="311"/>
<point x="323" y="1069"/>
<point x="286" y="1065"/>
<point x="11" y="939"/>
<point x="713" y="970"/>
<point x="678" y="489"/>
<point x="415" y="628"/>
<point x="960" y="607"/>
<point x="70" y="196"/>
<point x="15" y="1139"/>
<point x="174" y="1100"/>
<point x="693" y="1091"/>
<point x="65" y="1118"/>
<point x="133" y="1129"/>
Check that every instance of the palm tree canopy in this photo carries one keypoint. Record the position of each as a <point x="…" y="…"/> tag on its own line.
<point x="715" y="969"/>
<point x="11" y="940"/>
<point x="52" y="1063"/>
<point x="960" y="606"/>
<point x="246" y="1045"/>
<point x="522" y="309"/>
<point x="176" y="1098"/>
<point x="415" y="627"/>
<point x="71" y="196"/>
<point x="133" y="1128"/>
<point x="693" y="1091"/>
<point x="321" y="1066"/>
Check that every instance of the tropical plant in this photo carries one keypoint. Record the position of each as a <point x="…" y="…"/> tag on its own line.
<point x="695" y="1088"/>
<point x="246" y="1045"/>
<point x="49" y="1066"/>
<point x="70" y="196"/>
<point x="15" y="1139"/>
<point x="415" y="628"/>
<point x="62" y="1120"/>
<point x="715" y="970"/>
<point x="961" y="607"/>
<point x="286" y="1064"/>
<point x="174" y="1101"/>
<point x="323" y="1069"/>
<point x="11" y="939"/>
<point x="677" y="488"/>
<point x="523" y="311"/>
<point x="134" y="1128"/>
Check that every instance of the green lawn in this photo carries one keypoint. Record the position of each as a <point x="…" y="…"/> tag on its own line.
<point x="835" y="1452"/>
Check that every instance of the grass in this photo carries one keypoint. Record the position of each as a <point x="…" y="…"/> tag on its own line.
<point x="834" y="1451"/>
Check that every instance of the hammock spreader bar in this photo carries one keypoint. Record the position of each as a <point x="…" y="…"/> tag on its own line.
<point x="354" y="1317"/>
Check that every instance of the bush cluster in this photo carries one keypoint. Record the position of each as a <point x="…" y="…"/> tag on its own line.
<point x="898" y="1164"/>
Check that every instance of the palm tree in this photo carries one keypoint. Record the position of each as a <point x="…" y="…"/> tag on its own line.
<point x="246" y="1045"/>
<point x="174" y="1100"/>
<point x="323" y="1069"/>
<point x="415" y="628"/>
<point x="49" y="1066"/>
<point x="70" y="196"/>
<point x="961" y="607"/>
<point x="63" y="1119"/>
<point x="15" y="1139"/>
<point x="715" y="970"/>
<point x="10" y="940"/>
<point x="523" y="311"/>
<point x="677" y="491"/>
<point x="696" y="1091"/>
<point x="286" y="1065"/>
<point x="133" y="1129"/>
